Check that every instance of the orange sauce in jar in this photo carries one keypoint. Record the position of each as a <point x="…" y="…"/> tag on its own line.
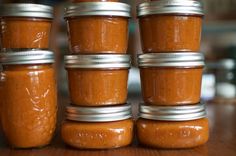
<point x="98" y="34"/>
<point x="172" y="127"/>
<point x="98" y="127"/>
<point x="97" y="80"/>
<point x="171" y="86"/>
<point x="167" y="134"/>
<point x="25" y="26"/>
<point x="97" y="29"/>
<point x="97" y="135"/>
<point x="25" y="33"/>
<point x="166" y="33"/>
<point x="29" y="108"/>
<point x="97" y="87"/>
<point x="171" y="78"/>
<point x="170" y="26"/>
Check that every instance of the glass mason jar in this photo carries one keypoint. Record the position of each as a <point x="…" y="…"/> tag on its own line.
<point x="171" y="78"/>
<point x="172" y="126"/>
<point x="98" y="127"/>
<point x="29" y="104"/>
<point x="25" y="26"/>
<point x="170" y="25"/>
<point x="98" y="27"/>
<point x="97" y="80"/>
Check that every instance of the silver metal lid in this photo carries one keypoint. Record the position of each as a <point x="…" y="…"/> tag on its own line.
<point x="26" y="10"/>
<point x="27" y="57"/>
<point x="99" y="114"/>
<point x="189" y="59"/>
<point x="98" y="9"/>
<point x="172" y="113"/>
<point x="98" y="61"/>
<point x="186" y="7"/>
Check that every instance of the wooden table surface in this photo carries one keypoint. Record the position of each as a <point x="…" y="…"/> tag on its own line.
<point x="222" y="138"/>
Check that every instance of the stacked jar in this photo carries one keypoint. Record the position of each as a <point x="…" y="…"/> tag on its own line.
<point x="28" y="86"/>
<point x="171" y="73"/>
<point x="97" y="66"/>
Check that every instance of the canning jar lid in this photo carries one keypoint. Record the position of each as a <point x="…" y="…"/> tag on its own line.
<point x="98" y="114"/>
<point x="172" y="113"/>
<point x="188" y="59"/>
<point x="27" y="57"/>
<point x="98" y="9"/>
<point x="26" y="10"/>
<point x="97" y="61"/>
<point x="186" y="7"/>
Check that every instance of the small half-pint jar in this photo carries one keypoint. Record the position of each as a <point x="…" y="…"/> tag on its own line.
<point x="171" y="78"/>
<point x="172" y="126"/>
<point x="97" y="80"/>
<point x="25" y="26"/>
<point x="170" y="25"/>
<point x="29" y="98"/>
<point x="98" y="27"/>
<point x="98" y="127"/>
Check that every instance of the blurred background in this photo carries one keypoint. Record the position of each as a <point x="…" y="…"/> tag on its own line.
<point x="218" y="45"/>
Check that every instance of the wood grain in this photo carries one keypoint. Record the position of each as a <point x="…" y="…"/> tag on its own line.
<point x="222" y="138"/>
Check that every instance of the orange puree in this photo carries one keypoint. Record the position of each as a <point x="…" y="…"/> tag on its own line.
<point x="98" y="34"/>
<point x="166" y="33"/>
<point x="32" y="33"/>
<point x="30" y="105"/>
<point x="171" y="86"/>
<point x="170" y="25"/>
<point x="97" y="87"/>
<point x="103" y="135"/>
<point x="173" y="134"/>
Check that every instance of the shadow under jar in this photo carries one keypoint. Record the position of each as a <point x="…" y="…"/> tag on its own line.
<point x="97" y="80"/>
<point x="25" y="26"/>
<point x="98" y="27"/>
<point x="172" y="127"/>
<point x="171" y="78"/>
<point x="170" y="25"/>
<point x="98" y="127"/>
<point x="29" y="104"/>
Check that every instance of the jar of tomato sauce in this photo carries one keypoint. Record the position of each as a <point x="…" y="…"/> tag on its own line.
<point x="98" y="127"/>
<point x="171" y="78"/>
<point x="97" y="80"/>
<point x="172" y="126"/>
<point x="29" y="106"/>
<point x="170" y="25"/>
<point x="25" y="26"/>
<point x="98" y="27"/>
